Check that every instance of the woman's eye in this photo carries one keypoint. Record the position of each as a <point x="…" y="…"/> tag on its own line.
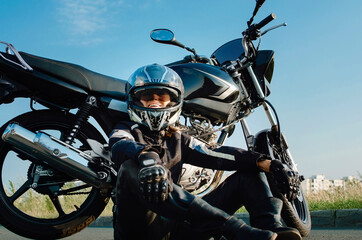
<point x="150" y="97"/>
<point x="165" y="97"/>
<point x="146" y="97"/>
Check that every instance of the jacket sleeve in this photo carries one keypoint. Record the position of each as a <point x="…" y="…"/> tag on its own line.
<point x="222" y="158"/>
<point x="123" y="145"/>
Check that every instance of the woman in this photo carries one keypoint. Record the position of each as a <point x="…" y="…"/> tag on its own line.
<point x="150" y="152"/>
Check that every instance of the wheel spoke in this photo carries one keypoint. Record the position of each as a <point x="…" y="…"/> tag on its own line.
<point x="57" y="205"/>
<point x="25" y="187"/>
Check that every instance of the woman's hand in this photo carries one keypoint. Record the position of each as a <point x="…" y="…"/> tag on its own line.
<point x="264" y="165"/>
<point x="155" y="183"/>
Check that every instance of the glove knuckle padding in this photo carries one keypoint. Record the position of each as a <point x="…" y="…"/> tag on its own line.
<point x="149" y="188"/>
<point x="155" y="183"/>
<point x="156" y="188"/>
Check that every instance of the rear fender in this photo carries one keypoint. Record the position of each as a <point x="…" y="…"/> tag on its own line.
<point x="9" y="90"/>
<point x="17" y="82"/>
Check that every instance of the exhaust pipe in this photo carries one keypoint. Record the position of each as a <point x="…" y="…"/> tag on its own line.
<point x="54" y="152"/>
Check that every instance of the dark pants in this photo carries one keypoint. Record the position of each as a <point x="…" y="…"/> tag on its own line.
<point x="135" y="218"/>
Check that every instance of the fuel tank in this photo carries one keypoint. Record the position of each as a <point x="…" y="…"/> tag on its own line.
<point x="209" y="90"/>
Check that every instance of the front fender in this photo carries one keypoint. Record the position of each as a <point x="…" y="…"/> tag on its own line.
<point x="261" y="142"/>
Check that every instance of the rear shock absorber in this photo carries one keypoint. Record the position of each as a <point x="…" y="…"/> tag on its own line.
<point x="82" y="116"/>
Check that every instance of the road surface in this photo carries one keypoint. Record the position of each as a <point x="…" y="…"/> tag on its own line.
<point x="107" y="234"/>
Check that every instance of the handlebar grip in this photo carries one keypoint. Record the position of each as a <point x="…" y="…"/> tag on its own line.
<point x="265" y="21"/>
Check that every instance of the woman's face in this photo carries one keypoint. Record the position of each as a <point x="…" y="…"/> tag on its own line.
<point x="159" y="99"/>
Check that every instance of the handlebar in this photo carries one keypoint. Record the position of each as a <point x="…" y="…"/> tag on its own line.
<point x="253" y="31"/>
<point x="265" y="21"/>
<point x="250" y="34"/>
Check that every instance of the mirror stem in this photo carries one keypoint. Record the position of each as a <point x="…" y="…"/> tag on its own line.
<point x="259" y="3"/>
<point x="191" y="50"/>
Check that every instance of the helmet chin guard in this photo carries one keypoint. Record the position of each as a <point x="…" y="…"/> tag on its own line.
<point x="154" y="120"/>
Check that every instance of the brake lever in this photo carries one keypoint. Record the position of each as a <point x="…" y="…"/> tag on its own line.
<point x="272" y="28"/>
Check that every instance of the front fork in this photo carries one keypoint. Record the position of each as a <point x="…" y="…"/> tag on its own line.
<point x="264" y="136"/>
<point x="249" y="138"/>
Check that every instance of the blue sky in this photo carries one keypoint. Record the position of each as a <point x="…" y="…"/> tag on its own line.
<point x="317" y="79"/>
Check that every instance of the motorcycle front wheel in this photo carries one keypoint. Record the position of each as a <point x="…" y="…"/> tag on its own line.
<point x="294" y="213"/>
<point x="57" y="205"/>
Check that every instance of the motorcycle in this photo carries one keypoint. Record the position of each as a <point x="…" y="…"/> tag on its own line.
<point x="66" y="160"/>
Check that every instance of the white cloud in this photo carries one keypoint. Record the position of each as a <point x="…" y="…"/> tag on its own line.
<point x="85" y="21"/>
<point x="83" y="17"/>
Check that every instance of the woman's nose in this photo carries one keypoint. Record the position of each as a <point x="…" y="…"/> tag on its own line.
<point x="154" y="97"/>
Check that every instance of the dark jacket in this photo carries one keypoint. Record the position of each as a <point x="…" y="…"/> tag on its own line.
<point x="128" y="139"/>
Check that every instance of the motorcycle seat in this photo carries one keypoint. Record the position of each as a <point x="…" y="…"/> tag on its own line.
<point x="78" y="75"/>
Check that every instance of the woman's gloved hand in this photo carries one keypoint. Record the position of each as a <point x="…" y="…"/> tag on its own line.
<point x="287" y="180"/>
<point x="154" y="179"/>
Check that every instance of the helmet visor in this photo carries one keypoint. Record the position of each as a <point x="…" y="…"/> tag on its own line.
<point x="155" y="97"/>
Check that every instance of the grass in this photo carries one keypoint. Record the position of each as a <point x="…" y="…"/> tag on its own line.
<point x="39" y="205"/>
<point x="338" y="198"/>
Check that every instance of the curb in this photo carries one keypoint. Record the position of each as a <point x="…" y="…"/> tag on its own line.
<point x="346" y="218"/>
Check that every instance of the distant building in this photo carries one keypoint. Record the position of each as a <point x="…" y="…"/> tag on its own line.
<point x="320" y="183"/>
<point x="307" y="186"/>
<point x="350" y="179"/>
<point x="339" y="183"/>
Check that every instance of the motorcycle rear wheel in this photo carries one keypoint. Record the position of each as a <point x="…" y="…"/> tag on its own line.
<point x="40" y="213"/>
<point x="294" y="213"/>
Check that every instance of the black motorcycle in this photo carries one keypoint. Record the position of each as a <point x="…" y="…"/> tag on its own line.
<point x="67" y="163"/>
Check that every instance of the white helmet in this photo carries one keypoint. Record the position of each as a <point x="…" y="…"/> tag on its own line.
<point x="154" y="79"/>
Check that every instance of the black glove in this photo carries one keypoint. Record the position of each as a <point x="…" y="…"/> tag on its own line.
<point x="154" y="179"/>
<point x="287" y="180"/>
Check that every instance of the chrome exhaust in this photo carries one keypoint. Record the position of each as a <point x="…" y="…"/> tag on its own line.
<point x="54" y="152"/>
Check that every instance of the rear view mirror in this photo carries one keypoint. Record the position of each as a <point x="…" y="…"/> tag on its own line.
<point x="166" y="36"/>
<point x="162" y="35"/>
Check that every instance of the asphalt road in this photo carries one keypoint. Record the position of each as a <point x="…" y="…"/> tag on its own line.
<point x="107" y="234"/>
